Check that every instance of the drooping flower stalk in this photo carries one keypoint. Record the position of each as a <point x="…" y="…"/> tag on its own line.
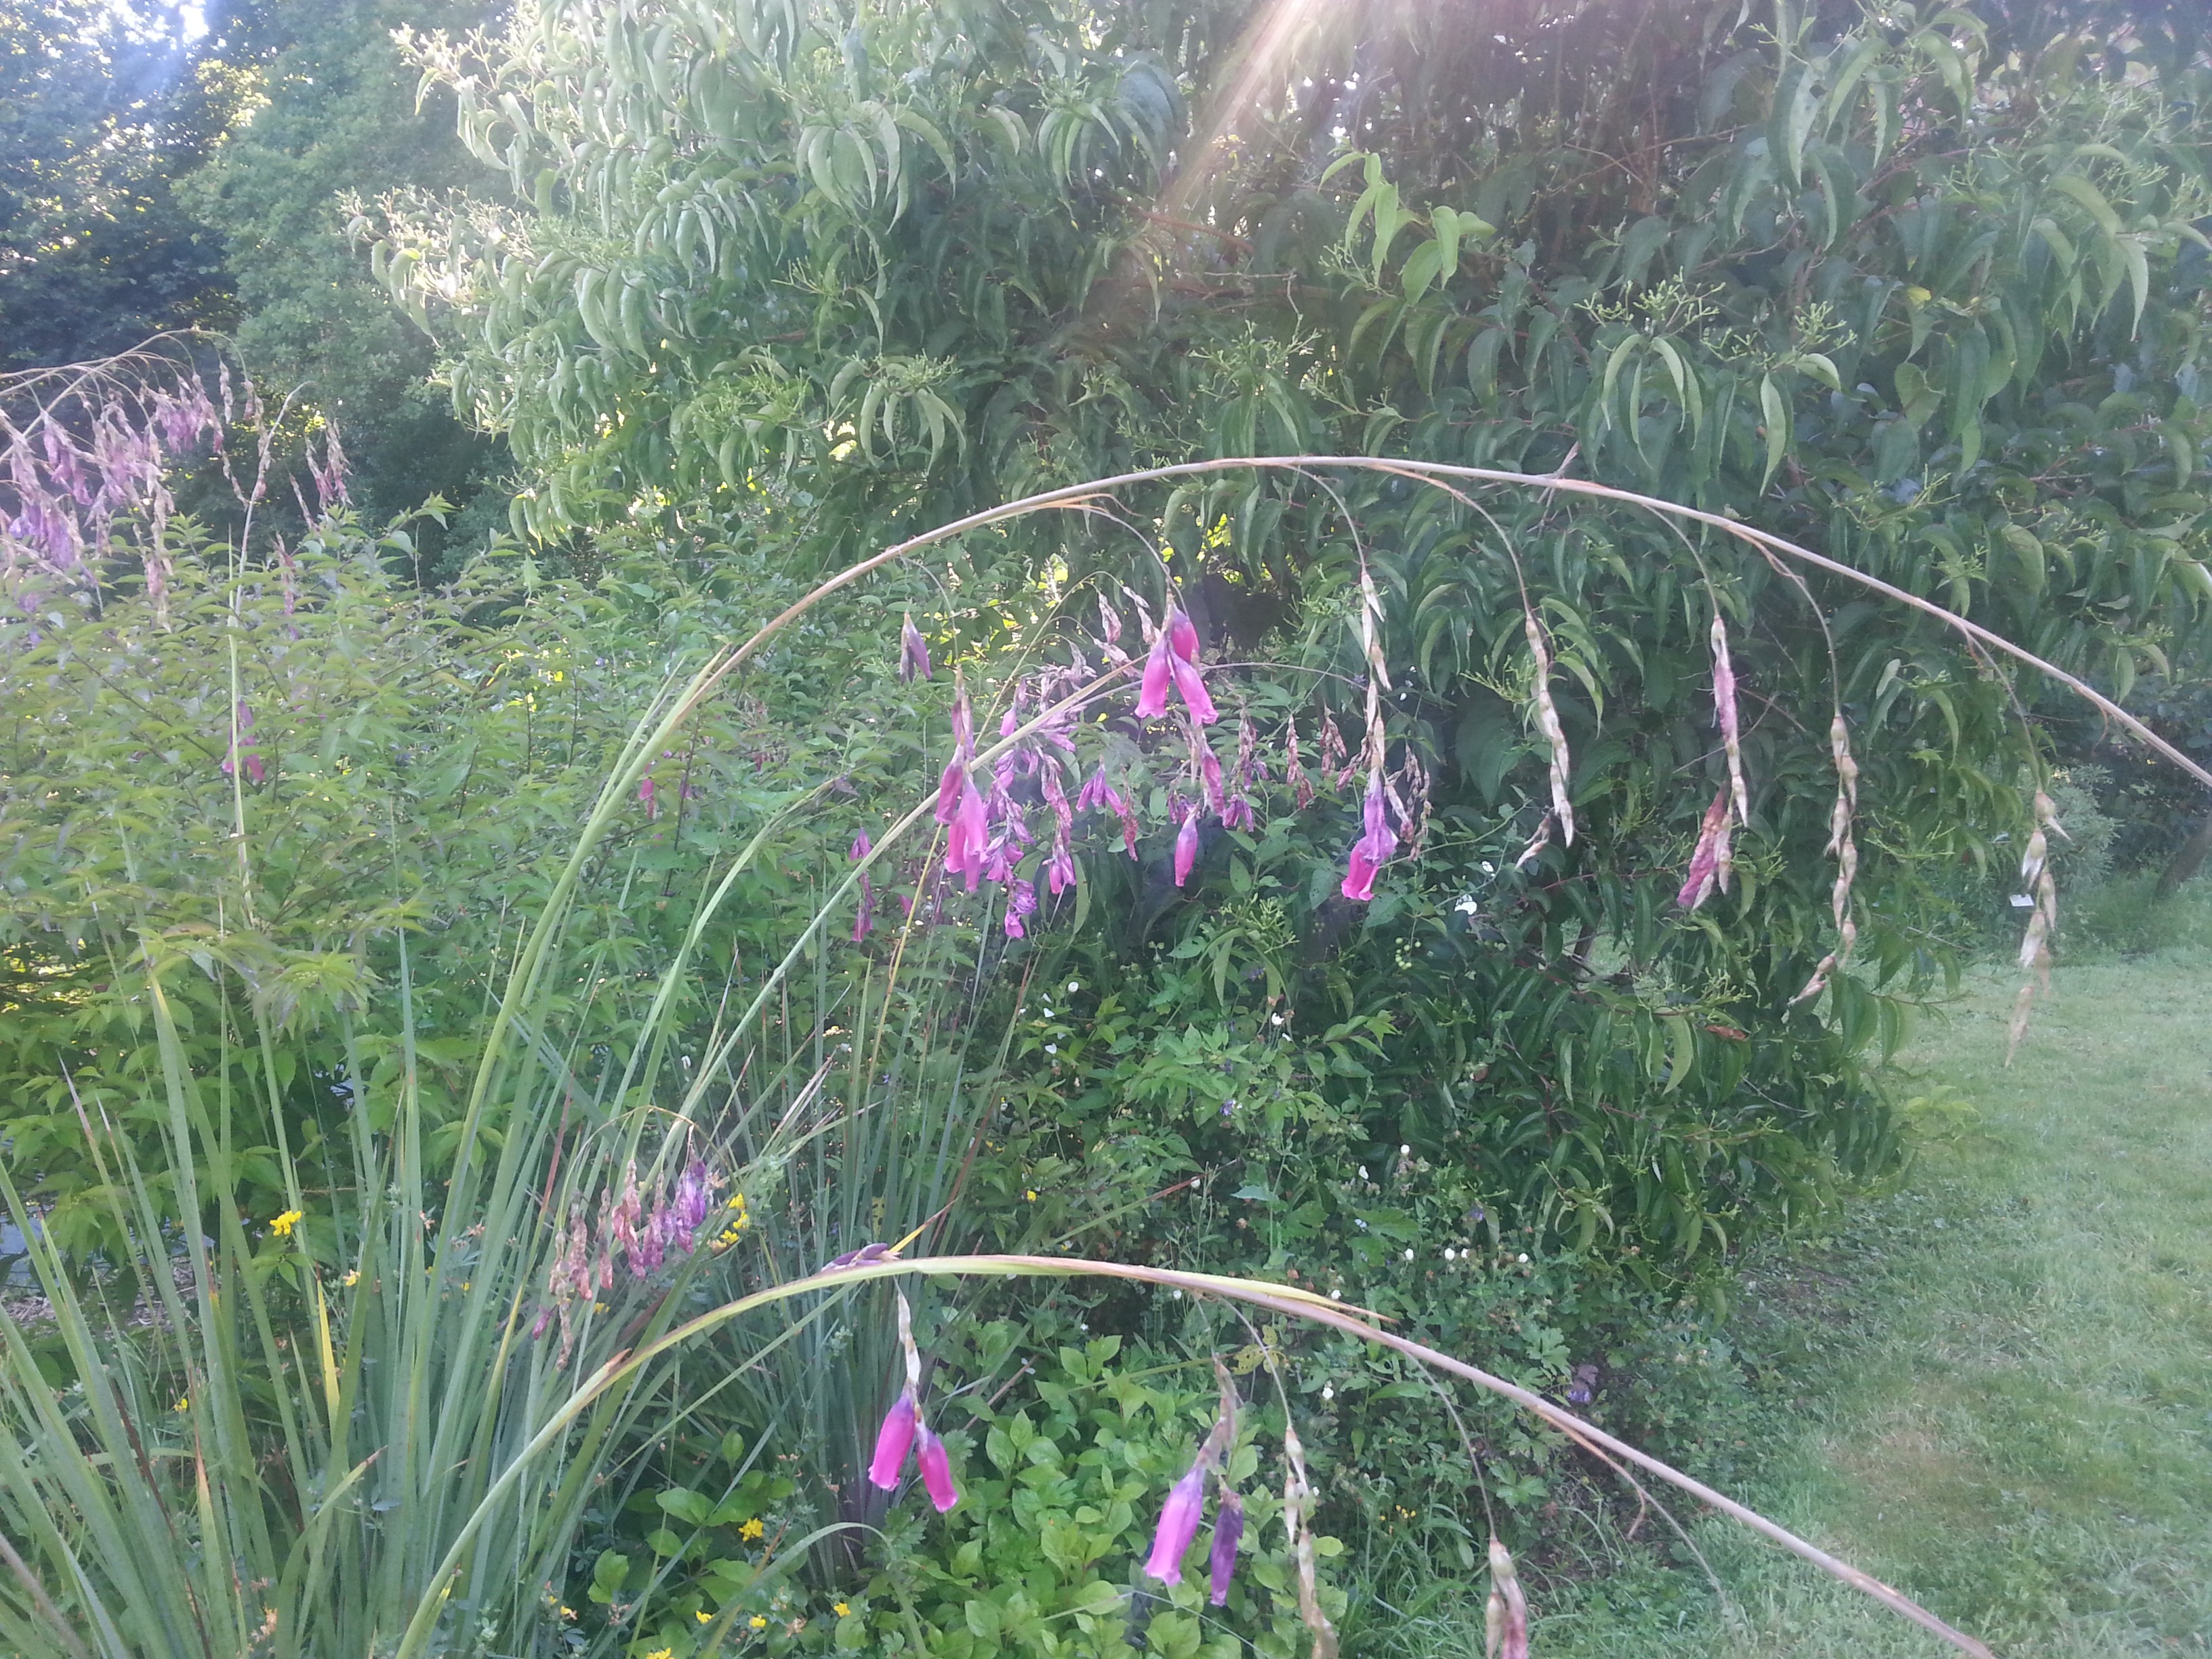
<point x="902" y="1425"/>
<point x="1724" y="716"/>
<point x="1185" y="1508"/>
<point x="2043" y="919"/>
<point x="1505" y="1621"/>
<point x="1293" y="773"/>
<point x="1846" y="851"/>
<point x="1547" y="723"/>
<point x="1174" y="660"/>
<point x="1377" y="844"/>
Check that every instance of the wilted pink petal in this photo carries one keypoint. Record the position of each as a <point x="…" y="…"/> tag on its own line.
<point x="1228" y="1532"/>
<point x="893" y="1441"/>
<point x="937" y="1472"/>
<point x="1237" y="814"/>
<point x="691" y="1199"/>
<point x="1021" y="902"/>
<point x="865" y="917"/>
<point x="1186" y="846"/>
<point x="644" y="792"/>
<point x="1179" y="1519"/>
<point x="1293" y="773"/>
<point x="1709" y="863"/>
<point x="1209" y="776"/>
<point x="914" y="652"/>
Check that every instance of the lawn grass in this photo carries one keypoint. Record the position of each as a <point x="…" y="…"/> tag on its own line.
<point x="1993" y="1388"/>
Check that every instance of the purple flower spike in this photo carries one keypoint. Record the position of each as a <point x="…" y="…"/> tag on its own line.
<point x="1179" y="1519"/>
<point x="894" y="1440"/>
<point x="937" y="1472"/>
<point x="1186" y="846"/>
<point x="914" y="652"/>
<point x="1228" y="1532"/>
<point x="1374" y="849"/>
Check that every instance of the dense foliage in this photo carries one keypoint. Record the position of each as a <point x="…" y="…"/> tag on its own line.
<point x="369" y="918"/>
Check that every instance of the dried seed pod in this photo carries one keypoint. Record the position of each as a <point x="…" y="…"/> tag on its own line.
<point x="1547" y="722"/>
<point x="1725" y="715"/>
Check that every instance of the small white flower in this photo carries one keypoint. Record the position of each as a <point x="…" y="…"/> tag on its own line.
<point x="1357" y="1222"/>
<point x="1363" y="1172"/>
<point x="1328" y="1392"/>
<point x="1052" y="1047"/>
<point x="1275" y="1020"/>
<point x="1178" y="1294"/>
<point x="1405" y="1152"/>
<point x="1409" y="1255"/>
<point x="1522" y="1257"/>
<point x="1450" y="1254"/>
<point x="1072" y="988"/>
<point x="1488" y="868"/>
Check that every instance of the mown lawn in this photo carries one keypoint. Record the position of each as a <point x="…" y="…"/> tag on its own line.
<point x="1993" y="1388"/>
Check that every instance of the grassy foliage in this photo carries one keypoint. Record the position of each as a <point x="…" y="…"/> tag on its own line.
<point x="1989" y="1385"/>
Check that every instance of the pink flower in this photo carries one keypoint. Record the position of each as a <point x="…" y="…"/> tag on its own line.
<point x="894" y="1440"/>
<point x="1374" y="849"/>
<point x="937" y="1472"/>
<point x="1175" y="659"/>
<point x="1179" y="1519"/>
<point x="1186" y="846"/>
<point x="645" y="794"/>
<point x="1709" y="865"/>
<point x="1238" y="814"/>
<point x="914" y="652"/>
<point x="1228" y="1532"/>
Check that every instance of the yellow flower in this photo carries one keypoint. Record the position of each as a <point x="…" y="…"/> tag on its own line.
<point x="567" y="1613"/>
<point x="1030" y="1194"/>
<point x="736" y="1200"/>
<point x="282" y="1226"/>
<point x="839" y="1609"/>
<point x="752" y="1529"/>
<point x="184" y="1402"/>
<point x="704" y="1617"/>
<point x="661" y="1653"/>
<point x="351" y="1279"/>
<point x="757" y="1622"/>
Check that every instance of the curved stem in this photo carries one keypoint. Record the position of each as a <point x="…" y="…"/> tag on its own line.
<point x="1284" y="1299"/>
